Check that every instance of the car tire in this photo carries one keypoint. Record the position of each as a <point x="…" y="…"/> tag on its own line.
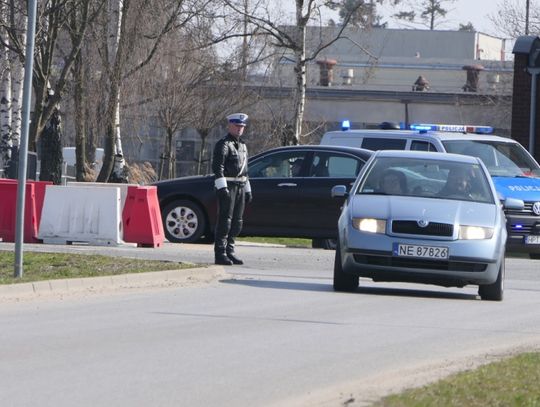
<point x="534" y="256"/>
<point x="495" y="291"/>
<point x="326" y="244"/>
<point x="183" y="221"/>
<point x="343" y="281"/>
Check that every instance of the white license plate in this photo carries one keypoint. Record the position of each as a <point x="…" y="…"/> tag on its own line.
<point x="532" y="239"/>
<point x="425" y="252"/>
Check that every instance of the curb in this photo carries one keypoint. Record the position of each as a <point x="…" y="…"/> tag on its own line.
<point x="166" y="278"/>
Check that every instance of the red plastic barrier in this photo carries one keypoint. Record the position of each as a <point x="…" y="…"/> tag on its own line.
<point x="39" y="190"/>
<point x="141" y="217"/>
<point x="40" y="187"/>
<point x="8" y="212"/>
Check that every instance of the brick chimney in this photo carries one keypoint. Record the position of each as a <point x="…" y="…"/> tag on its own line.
<point x="326" y="67"/>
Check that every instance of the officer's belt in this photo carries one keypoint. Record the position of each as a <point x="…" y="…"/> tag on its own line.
<point x="236" y="179"/>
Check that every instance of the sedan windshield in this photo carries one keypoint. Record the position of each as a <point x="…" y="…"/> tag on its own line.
<point x="501" y="159"/>
<point x="438" y="179"/>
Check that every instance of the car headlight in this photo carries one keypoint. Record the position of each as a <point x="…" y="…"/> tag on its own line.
<point x="475" y="233"/>
<point x="369" y="225"/>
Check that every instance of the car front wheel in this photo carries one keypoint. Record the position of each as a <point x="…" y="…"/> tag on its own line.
<point x="326" y="244"/>
<point x="495" y="291"/>
<point x="183" y="221"/>
<point x="343" y="281"/>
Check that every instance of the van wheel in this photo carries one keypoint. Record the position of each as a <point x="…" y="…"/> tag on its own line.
<point x="535" y="256"/>
<point x="343" y="281"/>
<point x="495" y="291"/>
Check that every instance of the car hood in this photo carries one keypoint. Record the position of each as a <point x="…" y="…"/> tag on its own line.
<point x="524" y="188"/>
<point x="433" y="210"/>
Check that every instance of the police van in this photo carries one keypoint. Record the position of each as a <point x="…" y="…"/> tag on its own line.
<point x="514" y="171"/>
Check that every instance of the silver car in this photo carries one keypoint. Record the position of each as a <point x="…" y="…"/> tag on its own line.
<point x="423" y="217"/>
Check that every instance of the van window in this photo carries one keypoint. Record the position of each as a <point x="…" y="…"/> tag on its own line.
<point x="379" y="143"/>
<point x="420" y="145"/>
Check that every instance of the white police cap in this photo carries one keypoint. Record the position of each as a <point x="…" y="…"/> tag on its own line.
<point x="238" y="118"/>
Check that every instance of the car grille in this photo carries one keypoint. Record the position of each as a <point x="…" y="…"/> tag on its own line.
<point x="432" y="229"/>
<point x="527" y="210"/>
<point x="389" y="261"/>
<point x="521" y="230"/>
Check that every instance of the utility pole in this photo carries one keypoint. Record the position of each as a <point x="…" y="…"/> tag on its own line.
<point x="23" y="148"/>
<point x="527" y="17"/>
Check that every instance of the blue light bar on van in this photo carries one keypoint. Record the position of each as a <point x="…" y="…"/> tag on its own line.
<point x="456" y="128"/>
<point x="345" y="125"/>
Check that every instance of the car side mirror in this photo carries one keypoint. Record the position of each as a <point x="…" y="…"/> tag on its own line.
<point x="513" y="203"/>
<point x="339" y="191"/>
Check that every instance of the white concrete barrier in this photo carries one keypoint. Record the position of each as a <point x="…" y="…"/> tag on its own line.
<point x="81" y="214"/>
<point x="123" y="188"/>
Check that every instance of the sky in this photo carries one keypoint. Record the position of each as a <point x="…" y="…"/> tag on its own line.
<point x="463" y="11"/>
<point x="460" y="11"/>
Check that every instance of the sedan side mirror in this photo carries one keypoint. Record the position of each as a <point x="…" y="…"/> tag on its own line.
<point x="339" y="191"/>
<point x="513" y="203"/>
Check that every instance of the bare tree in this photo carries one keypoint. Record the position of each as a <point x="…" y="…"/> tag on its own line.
<point x="510" y="19"/>
<point x="12" y="73"/>
<point x="6" y="142"/>
<point x="365" y="15"/>
<point x="293" y="39"/>
<point x="428" y="13"/>
<point x="177" y="75"/>
<point x="53" y="58"/>
<point x="145" y="36"/>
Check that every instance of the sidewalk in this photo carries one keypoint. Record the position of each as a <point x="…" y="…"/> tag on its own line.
<point x="191" y="253"/>
<point x="157" y="279"/>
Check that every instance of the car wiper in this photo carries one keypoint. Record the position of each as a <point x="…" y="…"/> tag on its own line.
<point x="372" y="193"/>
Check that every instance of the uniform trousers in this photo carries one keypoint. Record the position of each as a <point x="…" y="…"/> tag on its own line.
<point x="229" y="221"/>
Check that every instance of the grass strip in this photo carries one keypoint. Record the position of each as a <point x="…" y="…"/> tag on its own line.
<point x="286" y="241"/>
<point x="50" y="266"/>
<point x="512" y="382"/>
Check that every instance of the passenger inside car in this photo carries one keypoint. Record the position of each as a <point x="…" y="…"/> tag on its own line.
<point x="458" y="184"/>
<point x="393" y="182"/>
<point x="296" y="167"/>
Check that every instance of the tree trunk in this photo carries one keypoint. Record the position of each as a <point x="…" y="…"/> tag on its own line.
<point x="202" y="151"/>
<point x="300" y="91"/>
<point x="114" y="168"/>
<point x="80" y="120"/>
<point x="51" y="150"/>
<point x="6" y="142"/>
<point x="17" y="79"/>
<point x="110" y="133"/>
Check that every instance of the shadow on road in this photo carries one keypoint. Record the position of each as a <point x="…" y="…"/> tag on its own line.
<point x="307" y="286"/>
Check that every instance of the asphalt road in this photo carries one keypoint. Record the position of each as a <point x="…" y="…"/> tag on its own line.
<point x="270" y="333"/>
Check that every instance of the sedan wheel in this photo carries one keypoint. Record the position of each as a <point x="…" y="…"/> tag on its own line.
<point x="495" y="291"/>
<point x="343" y="281"/>
<point x="183" y="221"/>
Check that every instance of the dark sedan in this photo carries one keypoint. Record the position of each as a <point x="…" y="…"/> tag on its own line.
<point x="291" y="195"/>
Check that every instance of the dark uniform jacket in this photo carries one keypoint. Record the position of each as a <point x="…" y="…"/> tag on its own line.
<point x="229" y="162"/>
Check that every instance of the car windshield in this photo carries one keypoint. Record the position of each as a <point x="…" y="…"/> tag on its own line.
<point x="438" y="179"/>
<point x="501" y="159"/>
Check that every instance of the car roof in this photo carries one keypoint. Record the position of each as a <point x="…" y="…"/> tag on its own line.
<point x="360" y="152"/>
<point x="426" y="155"/>
<point x="427" y="135"/>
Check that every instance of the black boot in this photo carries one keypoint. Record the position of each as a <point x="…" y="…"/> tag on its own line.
<point x="234" y="259"/>
<point x="223" y="260"/>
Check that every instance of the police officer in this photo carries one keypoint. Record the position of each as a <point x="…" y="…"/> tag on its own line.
<point x="229" y="165"/>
